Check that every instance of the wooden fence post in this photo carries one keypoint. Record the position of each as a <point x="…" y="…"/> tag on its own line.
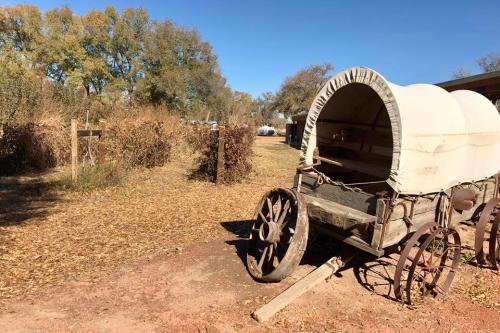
<point x="74" y="150"/>
<point x="220" y="156"/>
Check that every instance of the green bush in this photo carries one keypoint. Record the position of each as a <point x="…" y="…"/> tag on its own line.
<point x="98" y="176"/>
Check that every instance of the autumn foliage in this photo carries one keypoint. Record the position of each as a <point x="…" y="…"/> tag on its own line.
<point x="33" y="146"/>
<point x="238" y="142"/>
<point x="141" y="140"/>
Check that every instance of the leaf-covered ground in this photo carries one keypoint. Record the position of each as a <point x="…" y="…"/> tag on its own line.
<point x="49" y="236"/>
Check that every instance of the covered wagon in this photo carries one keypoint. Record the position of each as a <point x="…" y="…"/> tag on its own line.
<point x="388" y="168"/>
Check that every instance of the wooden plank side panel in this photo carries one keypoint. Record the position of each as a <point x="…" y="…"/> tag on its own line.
<point x="360" y="201"/>
<point x="427" y="212"/>
<point x="397" y="230"/>
<point x="424" y="205"/>
<point x="339" y="210"/>
<point x="346" y="223"/>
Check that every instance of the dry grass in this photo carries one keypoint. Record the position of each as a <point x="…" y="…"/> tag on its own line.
<point x="62" y="236"/>
<point x="145" y="138"/>
<point x="238" y="142"/>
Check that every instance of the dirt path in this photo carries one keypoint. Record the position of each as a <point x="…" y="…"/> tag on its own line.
<point x="207" y="289"/>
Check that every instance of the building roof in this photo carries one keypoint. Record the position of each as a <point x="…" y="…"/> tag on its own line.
<point x="487" y="84"/>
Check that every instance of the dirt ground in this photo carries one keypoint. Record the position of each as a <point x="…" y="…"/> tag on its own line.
<point x="165" y="254"/>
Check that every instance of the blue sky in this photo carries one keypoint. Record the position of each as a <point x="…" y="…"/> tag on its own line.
<point x="259" y="43"/>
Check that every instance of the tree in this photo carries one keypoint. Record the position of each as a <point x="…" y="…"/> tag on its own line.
<point x="264" y="109"/>
<point x="461" y="73"/>
<point x="127" y="33"/>
<point x="490" y="62"/>
<point x="60" y="50"/>
<point x="240" y="108"/>
<point x="181" y="72"/>
<point x="298" y="91"/>
<point x="116" y="57"/>
<point x="95" y="40"/>
<point x="20" y="34"/>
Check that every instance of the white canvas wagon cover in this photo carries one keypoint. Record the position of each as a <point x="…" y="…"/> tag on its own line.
<point x="439" y="139"/>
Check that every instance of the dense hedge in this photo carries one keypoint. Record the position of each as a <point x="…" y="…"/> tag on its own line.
<point x="238" y="142"/>
<point x="32" y="147"/>
<point x="139" y="142"/>
<point x="131" y="141"/>
<point x="127" y="142"/>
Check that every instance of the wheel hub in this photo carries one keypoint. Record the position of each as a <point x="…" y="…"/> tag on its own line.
<point x="269" y="232"/>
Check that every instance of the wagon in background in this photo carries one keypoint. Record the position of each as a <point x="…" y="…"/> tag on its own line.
<point x="386" y="168"/>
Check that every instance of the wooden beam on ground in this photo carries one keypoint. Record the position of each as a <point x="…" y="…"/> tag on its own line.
<point x="320" y="274"/>
<point x="74" y="150"/>
<point x="220" y="156"/>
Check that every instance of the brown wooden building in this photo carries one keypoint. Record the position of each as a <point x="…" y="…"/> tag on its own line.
<point x="295" y="130"/>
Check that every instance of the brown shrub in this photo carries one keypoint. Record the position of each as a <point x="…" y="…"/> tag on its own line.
<point x="141" y="139"/>
<point x="144" y="137"/>
<point x="33" y="146"/>
<point x="238" y="142"/>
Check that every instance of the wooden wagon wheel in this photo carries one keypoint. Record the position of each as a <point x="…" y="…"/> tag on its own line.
<point x="428" y="264"/>
<point x="494" y="246"/>
<point x="487" y="234"/>
<point x="278" y="237"/>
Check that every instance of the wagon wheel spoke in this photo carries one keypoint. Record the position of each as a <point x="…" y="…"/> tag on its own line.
<point x="451" y="268"/>
<point x="281" y="221"/>
<point x="439" y="289"/>
<point x="420" y="283"/>
<point x="262" y="258"/>
<point x="270" y="208"/>
<point x="263" y="218"/>
<point x="278" y="209"/>
<point x="270" y="252"/>
<point x="433" y="266"/>
<point x="428" y="282"/>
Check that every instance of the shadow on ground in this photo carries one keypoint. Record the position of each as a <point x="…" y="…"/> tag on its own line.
<point x="240" y="229"/>
<point x="21" y="200"/>
<point x="375" y="275"/>
<point x="320" y="248"/>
